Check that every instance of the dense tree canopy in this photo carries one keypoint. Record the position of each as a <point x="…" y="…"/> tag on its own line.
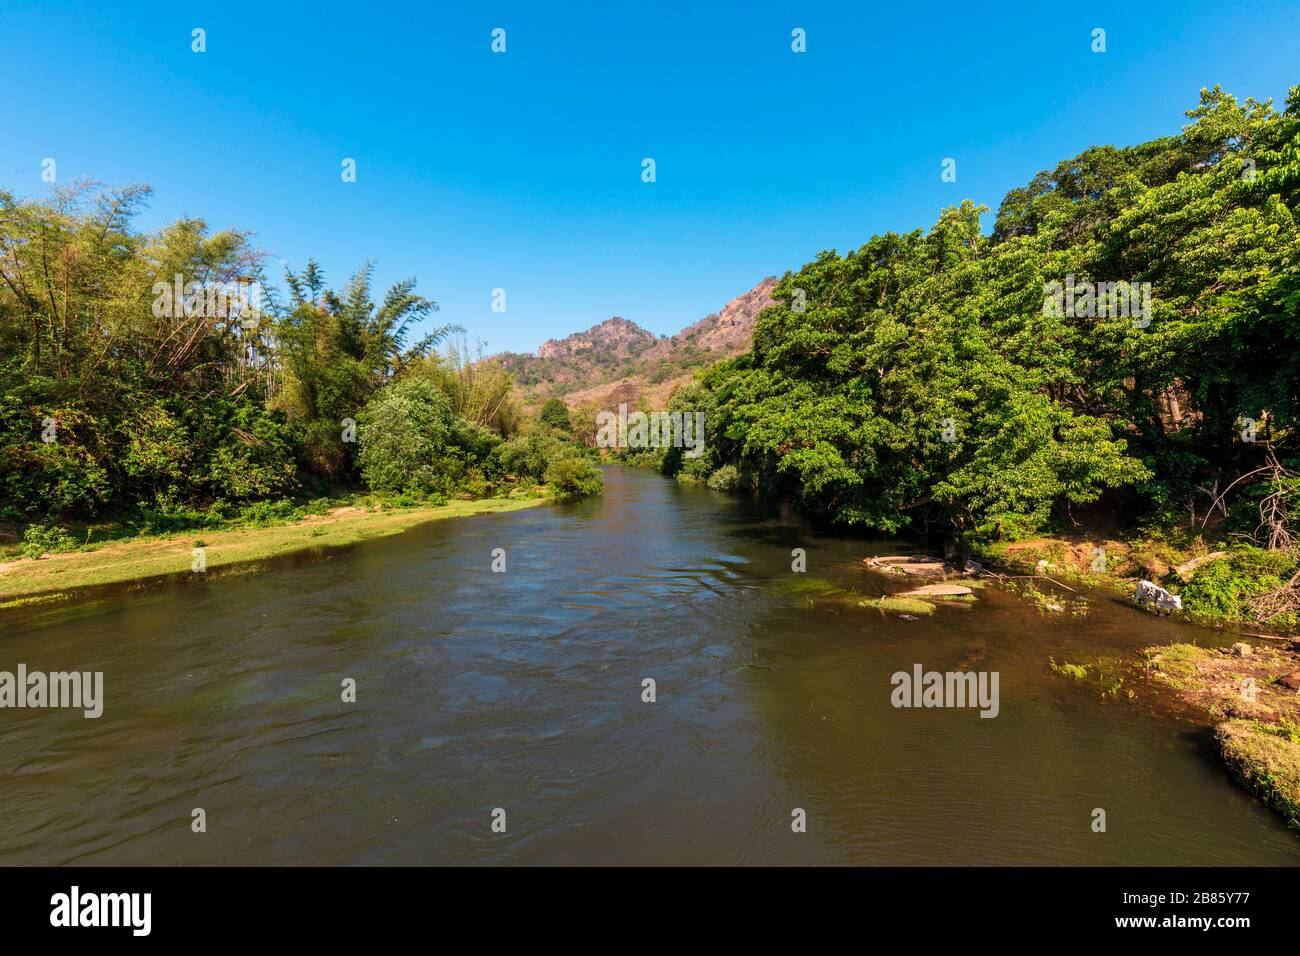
<point x="148" y="375"/>
<point x="932" y="378"/>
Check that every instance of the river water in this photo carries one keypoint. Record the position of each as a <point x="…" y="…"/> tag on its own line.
<point x="522" y="691"/>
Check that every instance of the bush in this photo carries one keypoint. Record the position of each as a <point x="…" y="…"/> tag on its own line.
<point x="726" y="478"/>
<point x="574" y="478"/>
<point x="255" y="457"/>
<point x="411" y="441"/>
<point x="167" y="514"/>
<point x="556" y="414"/>
<point x="48" y="479"/>
<point x="1222" y="589"/>
<point x="40" y="540"/>
<point x="695" y="470"/>
<point x="317" y="506"/>
<point x="322" y="451"/>
<point x="407" y="499"/>
<point x="264" y="513"/>
<point x="529" y="456"/>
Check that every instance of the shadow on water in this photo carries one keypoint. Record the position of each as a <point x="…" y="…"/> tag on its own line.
<point x="522" y="690"/>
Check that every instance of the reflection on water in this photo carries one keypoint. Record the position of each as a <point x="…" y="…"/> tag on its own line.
<point x="522" y="691"/>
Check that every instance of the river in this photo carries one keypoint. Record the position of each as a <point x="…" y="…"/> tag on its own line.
<point x="522" y="690"/>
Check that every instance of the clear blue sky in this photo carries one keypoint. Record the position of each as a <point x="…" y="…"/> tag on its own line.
<point x="523" y="170"/>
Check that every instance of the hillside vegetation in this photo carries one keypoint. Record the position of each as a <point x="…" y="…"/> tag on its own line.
<point x="618" y="361"/>
<point x="143" y="389"/>
<point x="932" y="380"/>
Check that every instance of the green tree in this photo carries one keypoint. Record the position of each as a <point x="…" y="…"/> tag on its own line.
<point x="410" y="441"/>
<point x="337" y="349"/>
<point x="573" y="477"/>
<point x="922" y="381"/>
<point x="555" y="414"/>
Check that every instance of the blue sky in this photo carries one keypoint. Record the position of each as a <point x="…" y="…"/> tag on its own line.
<point x="523" y="170"/>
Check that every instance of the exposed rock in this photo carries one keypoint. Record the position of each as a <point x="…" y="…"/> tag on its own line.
<point x="615" y="338"/>
<point x="617" y="358"/>
<point x="1241" y="649"/>
<point x="938" y="590"/>
<point x="1290" y="681"/>
<point x="728" y="331"/>
<point x="908" y="564"/>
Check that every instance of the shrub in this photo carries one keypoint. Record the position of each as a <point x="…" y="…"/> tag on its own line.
<point x="411" y="441"/>
<point x="574" y="477"/>
<point x="41" y="478"/>
<point x="166" y="515"/>
<point x="695" y="470"/>
<point x="1222" y="589"/>
<point x="255" y="457"/>
<point x="555" y="414"/>
<point x="321" y="450"/>
<point x="39" y="540"/>
<point x="529" y="456"/>
<point x="726" y="478"/>
<point x="262" y="513"/>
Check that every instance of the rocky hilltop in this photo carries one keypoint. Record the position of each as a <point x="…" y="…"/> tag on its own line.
<point x="615" y="338"/>
<point x="618" y="360"/>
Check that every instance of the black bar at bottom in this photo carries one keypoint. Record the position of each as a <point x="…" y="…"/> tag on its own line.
<point x="213" y="905"/>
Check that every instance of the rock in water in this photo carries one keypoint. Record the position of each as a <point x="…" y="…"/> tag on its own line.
<point x="938" y="590"/>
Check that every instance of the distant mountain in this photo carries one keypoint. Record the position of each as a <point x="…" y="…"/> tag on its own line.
<point x="618" y="360"/>
<point x="613" y="339"/>
<point x="603" y="352"/>
<point x="726" y="332"/>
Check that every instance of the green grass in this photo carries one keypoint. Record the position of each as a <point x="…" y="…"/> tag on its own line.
<point x="27" y="581"/>
<point x="902" y="605"/>
<point x="1075" y="671"/>
<point x="1176" y="660"/>
<point x="1267" y="760"/>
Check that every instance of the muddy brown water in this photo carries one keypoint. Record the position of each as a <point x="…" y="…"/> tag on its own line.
<point x="522" y="690"/>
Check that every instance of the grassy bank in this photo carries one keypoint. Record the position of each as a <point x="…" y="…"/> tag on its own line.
<point x="1222" y="584"/>
<point x="1247" y="693"/>
<point x="59" y="576"/>
<point x="1250" y="695"/>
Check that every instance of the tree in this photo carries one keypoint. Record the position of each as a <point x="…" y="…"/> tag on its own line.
<point x="410" y="441"/>
<point x="924" y="380"/>
<point x="555" y="414"/>
<point x="337" y="349"/>
<point x="573" y="477"/>
<point x="480" y="389"/>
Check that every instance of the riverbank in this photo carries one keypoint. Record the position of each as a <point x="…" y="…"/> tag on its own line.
<point x="1248" y="694"/>
<point x="470" y="682"/>
<point x="57" y="577"/>
<point x="1251" y="695"/>
<point x="1222" y="585"/>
